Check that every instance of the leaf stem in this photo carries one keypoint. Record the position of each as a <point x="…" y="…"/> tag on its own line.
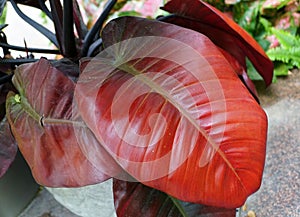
<point x="78" y="20"/>
<point x="45" y="9"/>
<point x="178" y="205"/>
<point x="28" y="109"/>
<point x="5" y="78"/>
<point x="53" y="121"/>
<point x="26" y="106"/>
<point x="57" y="15"/>
<point x="17" y="61"/>
<point x="94" y="46"/>
<point x="68" y="30"/>
<point x="34" y="50"/>
<point x="92" y="34"/>
<point x="166" y="18"/>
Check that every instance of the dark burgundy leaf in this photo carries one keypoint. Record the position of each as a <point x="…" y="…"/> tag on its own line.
<point x="132" y="198"/>
<point x="224" y="32"/>
<point x="8" y="147"/>
<point x="48" y="131"/>
<point x="236" y="66"/>
<point x="68" y="68"/>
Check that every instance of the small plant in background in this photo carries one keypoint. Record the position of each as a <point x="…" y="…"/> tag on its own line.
<point x="164" y="107"/>
<point x="141" y="8"/>
<point x="270" y="22"/>
<point x="287" y="54"/>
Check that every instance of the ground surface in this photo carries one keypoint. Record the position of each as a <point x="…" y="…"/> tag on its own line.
<point x="279" y="194"/>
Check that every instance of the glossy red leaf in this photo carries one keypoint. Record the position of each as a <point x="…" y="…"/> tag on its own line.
<point x="133" y="197"/>
<point x="47" y="131"/>
<point x="169" y="108"/>
<point x="241" y="72"/>
<point x="8" y="147"/>
<point x="224" y="32"/>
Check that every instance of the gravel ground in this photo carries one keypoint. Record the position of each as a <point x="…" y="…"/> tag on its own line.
<point x="279" y="194"/>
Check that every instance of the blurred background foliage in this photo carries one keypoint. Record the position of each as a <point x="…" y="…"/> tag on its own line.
<point x="275" y="26"/>
<point x="273" y="23"/>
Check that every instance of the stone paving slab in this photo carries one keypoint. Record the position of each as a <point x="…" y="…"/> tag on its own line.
<point x="279" y="194"/>
<point x="44" y="205"/>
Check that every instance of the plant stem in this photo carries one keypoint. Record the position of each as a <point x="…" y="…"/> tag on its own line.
<point x="89" y="39"/>
<point x="45" y="9"/>
<point x="34" y="50"/>
<point x="164" y="18"/>
<point x="81" y="28"/>
<point x="5" y="78"/>
<point x="68" y="30"/>
<point x="178" y="205"/>
<point x="57" y="15"/>
<point x="93" y="47"/>
<point x="17" y="61"/>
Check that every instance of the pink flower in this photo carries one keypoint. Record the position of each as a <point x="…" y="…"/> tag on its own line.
<point x="146" y="8"/>
<point x="273" y="40"/>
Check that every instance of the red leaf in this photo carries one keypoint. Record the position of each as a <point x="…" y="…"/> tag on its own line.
<point x="239" y="70"/>
<point x="133" y="197"/>
<point x="167" y="105"/>
<point x="8" y="147"/>
<point x="47" y="131"/>
<point x="224" y="32"/>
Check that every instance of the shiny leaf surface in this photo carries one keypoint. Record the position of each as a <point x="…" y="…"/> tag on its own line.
<point x="169" y="108"/>
<point x="224" y="32"/>
<point x="46" y="129"/>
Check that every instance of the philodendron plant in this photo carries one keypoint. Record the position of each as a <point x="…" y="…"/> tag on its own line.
<point x="163" y="107"/>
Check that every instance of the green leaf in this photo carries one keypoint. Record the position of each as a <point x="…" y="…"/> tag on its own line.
<point x="3" y="11"/>
<point x="275" y="4"/>
<point x="252" y="72"/>
<point x="281" y="69"/>
<point x="128" y="13"/>
<point x="286" y="39"/>
<point x="247" y="15"/>
<point x="289" y="56"/>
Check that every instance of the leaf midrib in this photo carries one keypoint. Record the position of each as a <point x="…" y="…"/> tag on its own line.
<point x="41" y="119"/>
<point x="131" y="70"/>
